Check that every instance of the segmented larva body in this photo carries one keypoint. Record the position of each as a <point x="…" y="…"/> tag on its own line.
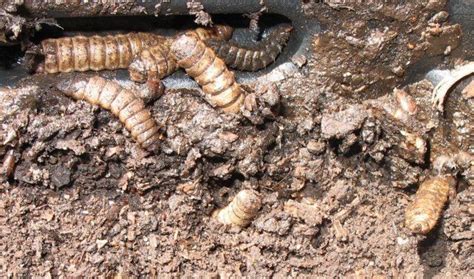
<point x="156" y="62"/>
<point x="153" y="63"/>
<point x="421" y="216"/>
<point x="95" y="53"/>
<point x="217" y="32"/>
<point x="241" y="210"/>
<point x="8" y="165"/>
<point x="209" y="71"/>
<point x="122" y="102"/>
<point x="256" y="57"/>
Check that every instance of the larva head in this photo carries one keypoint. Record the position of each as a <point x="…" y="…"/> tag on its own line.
<point x="419" y="221"/>
<point x="282" y="33"/>
<point x="223" y="32"/>
<point x="71" y="86"/>
<point x="184" y="45"/>
<point x="137" y="71"/>
<point x="248" y="201"/>
<point x="218" y="32"/>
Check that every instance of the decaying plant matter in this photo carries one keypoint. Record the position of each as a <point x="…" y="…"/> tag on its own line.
<point x="121" y="102"/>
<point x="241" y="210"/>
<point x="421" y="216"/>
<point x="210" y="72"/>
<point x="255" y="57"/>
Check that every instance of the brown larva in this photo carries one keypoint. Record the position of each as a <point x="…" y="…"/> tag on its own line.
<point x="153" y="63"/>
<point x="156" y="62"/>
<point x="217" y="32"/>
<point x="421" y="216"/>
<point x="201" y="63"/>
<point x="8" y="165"/>
<point x="122" y="102"/>
<point x="241" y="210"/>
<point x="256" y="57"/>
<point x="95" y="53"/>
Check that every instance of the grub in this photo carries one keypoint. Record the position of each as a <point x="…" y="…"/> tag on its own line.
<point x="256" y="57"/>
<point x="201" y="63"/>
<point x="241" y="210"/>
<point x="424" y="212"/>
<point x="95" y="53"/>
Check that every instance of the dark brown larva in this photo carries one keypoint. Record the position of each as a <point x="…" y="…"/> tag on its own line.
<point x="121" y="102"/>
<point x="95" y="53"/>
<point x="156" y="62"/>
<point x="256" y="57"/>
<point x="201" y="63"/>
<point x="421" y="216"/>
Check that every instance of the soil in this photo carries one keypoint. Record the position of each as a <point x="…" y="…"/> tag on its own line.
<point x="320" y="144"/>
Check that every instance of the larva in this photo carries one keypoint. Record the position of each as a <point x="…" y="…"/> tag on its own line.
<point x="217" y="32"/>
<point x="255" y="57"/>
<point x="8" y="165"/>
<point x="421" y="216"/>
<point x="201" y="63"/>
<point x="156" y="62"/>
<point x="122" y="102"/>
<point x="241" y="210"/>
<point x="153" y="63"/>
<point x="95" y="53"/>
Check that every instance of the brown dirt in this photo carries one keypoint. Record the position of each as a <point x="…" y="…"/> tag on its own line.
<point x="84" y="199"/>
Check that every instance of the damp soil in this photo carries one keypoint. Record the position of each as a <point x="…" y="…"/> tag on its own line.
<point x="84" y="200"/>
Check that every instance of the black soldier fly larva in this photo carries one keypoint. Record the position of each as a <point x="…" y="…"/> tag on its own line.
<point x="425" y="210"/>
<point x="255" y="57"/>
<point x="122" y="102"/>
<point x="209" y="71"/>
<point x="95" y="53"/>
<point x="241" y="210"/>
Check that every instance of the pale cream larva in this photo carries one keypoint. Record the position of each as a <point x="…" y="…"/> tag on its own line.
<point x="241" y="210"/>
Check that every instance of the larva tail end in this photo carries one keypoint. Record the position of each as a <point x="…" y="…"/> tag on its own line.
<point x="286" y="27"/>
<point x="137" y="71"/>
<point x="250" y="200"/>
<point x="285" y="32"/>
<point x="70" y="86"/>
<point x="183" y="45"/>
<point x="155" y="87"/>
<point x="153" y="144"/>
<point x="235" y="106"/>
<point x="418" y="223"/>
<point x="224" y="31"/>
<point x="34" y="61"/>
<point x="153" y="148"/>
